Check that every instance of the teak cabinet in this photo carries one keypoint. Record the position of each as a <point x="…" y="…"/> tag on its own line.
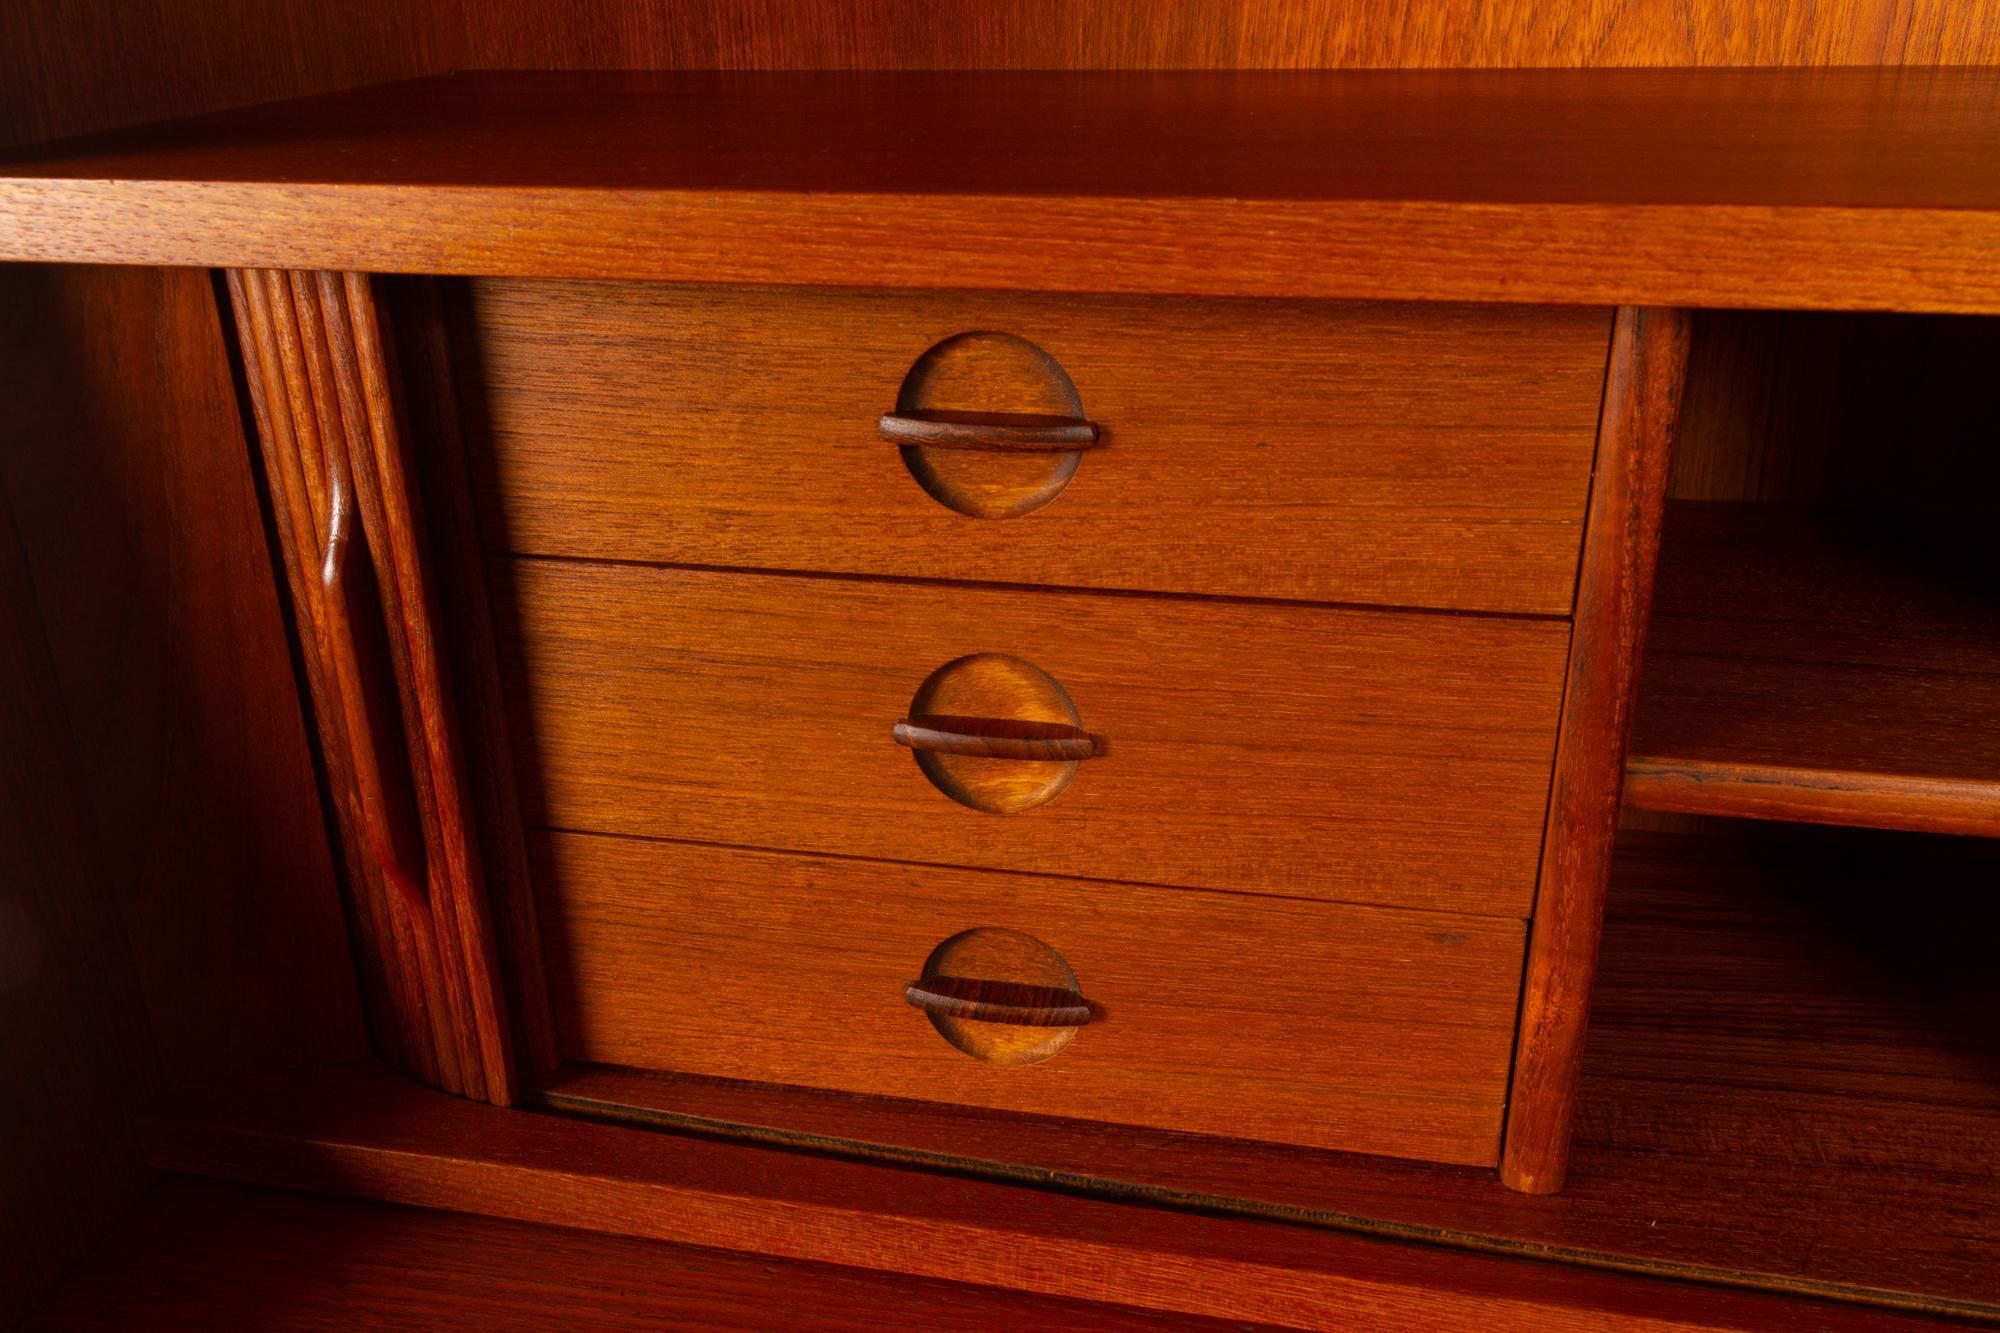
<point x="1024" y="681"/>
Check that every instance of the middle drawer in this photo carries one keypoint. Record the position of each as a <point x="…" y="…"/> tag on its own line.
<point x="1372" y="757"/>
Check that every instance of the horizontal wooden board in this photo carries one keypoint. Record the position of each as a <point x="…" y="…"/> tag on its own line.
<point x="1402" y="454"/>
<point x="1830" y="666"/>
<point x="1865" y="189"/>
<point x="361" y="1131"/>
<point x="1392" y="758"/>
<point x="200" y="1254"/>
<point x="1357" y="1028"/>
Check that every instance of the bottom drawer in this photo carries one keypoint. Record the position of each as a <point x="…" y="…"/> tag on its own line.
<point x="1322" y="1025"/>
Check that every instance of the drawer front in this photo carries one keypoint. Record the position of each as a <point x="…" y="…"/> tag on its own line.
<point x="1355" y="1028"/>
<point x="1379" y="757"/>
<point x="1406" y="455"/>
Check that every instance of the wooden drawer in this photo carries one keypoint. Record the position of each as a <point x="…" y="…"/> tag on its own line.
<point x="1383" y="757"/>
<point x="1358" y="1028"/>
<point x="1408" y="455"/>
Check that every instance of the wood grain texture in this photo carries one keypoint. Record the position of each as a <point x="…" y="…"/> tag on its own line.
<point x="139" y="521"/>
<point x="1806" y="189"/>
<point x="1775" y="1081"/>
<point x="1215" y="34"/>
<point x="1407" y="455"/>
<point x="73" y="1041"/>
<point x="431" y="340"/>
<point x="1835" y="666"/>
<point x="328" y="422"/>
<point x="1879" y="411"/>
<point x="81" y="70"/>
<point x="1642" y="398"/>
<point x="1339" y="1027"/>
<point x="360" y="1131"/>
<point x="204" y="1255"/>
<point x="1399" y="759"/>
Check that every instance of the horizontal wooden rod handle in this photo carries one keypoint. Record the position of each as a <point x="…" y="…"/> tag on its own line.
<point x="997" y="432"/>
<point x="997" y="737"/>
<point x="1012" y="1002"/>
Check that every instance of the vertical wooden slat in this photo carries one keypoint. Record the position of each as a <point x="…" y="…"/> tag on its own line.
<point x="432" y="339"/>
<point x="1642" y="396"/>
<point x="325" y="402"/>
<point x="378" y="952"/>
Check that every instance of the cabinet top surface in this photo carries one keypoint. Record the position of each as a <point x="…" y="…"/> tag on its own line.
<point x="1516" y="185"/>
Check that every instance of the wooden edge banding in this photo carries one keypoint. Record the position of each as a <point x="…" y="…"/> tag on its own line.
<point x="1642" y="395"/>
<point x="1963" y="806"/>
<point x="325" y="405"/>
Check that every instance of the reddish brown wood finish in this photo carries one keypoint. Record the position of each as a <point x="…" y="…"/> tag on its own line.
<point x="135" y="499"/>
<point x="74" y="1044"/>
<point x="1244" y="740"/>
<point x="1397" y="454"/>
<point x="203" y="1255"/>
<point x="1642" y="396"/>
<point x="363" y="1132"/>
<point x="1312" y="1023"/>
<point x="1836" y="667"/>
<point x="1593" y="188"/>
<point x="76" y="75"/>
<point x="1775" y="1080"/>
<point x="327" y="417"/>
<point x="432" y="342"/>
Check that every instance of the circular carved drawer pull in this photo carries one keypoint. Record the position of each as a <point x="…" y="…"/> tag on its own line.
<point x="1001" y="996"/>
<point x="990" y="425"/>
<point x="989" y="707"/>
<point x="996" y="737"/>
<point x="999" y="432"/>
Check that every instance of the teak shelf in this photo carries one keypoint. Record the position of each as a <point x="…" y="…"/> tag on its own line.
<point x="1637" y="187"/>
<point x="1836" y="667"/>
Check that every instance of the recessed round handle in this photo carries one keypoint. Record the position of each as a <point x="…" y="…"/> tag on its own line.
<point x="996" y="737"/>
<point x="996" y="432"/>
<point x="990" y="425"/>
<point x="989" y="707"/>
<point x="1001" y="996"/>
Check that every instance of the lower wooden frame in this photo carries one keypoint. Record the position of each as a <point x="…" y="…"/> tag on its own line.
<point x="364" y="1132"/>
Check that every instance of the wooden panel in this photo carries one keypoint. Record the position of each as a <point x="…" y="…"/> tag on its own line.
<point x="1833" y="666"/>
<point x="1775" y="1078"/>
<point x="78" y="69"/>
<point x="336" y="459"/>
<point x="140" y="521"/>
<point x="203" y="1255"/>
<point x="360" y="1131"/>
<point x="1180" y="34"/>
<point x="73" y="1040"/>
<point x="799" y="966"/>
<point x="1361" y="756"/>
<point x="1852" y="189"/>
<point x="1642" y="398"/>
<point x="1414" y="455"/>
<point x="1840" y="409"/>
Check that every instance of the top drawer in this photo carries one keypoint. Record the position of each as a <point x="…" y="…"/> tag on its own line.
<point x="1408" y="455"/>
